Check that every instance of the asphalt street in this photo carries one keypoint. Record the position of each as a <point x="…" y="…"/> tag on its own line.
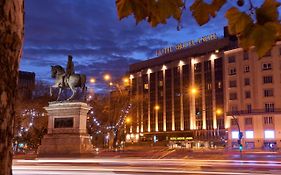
<point x="100" y="166"/>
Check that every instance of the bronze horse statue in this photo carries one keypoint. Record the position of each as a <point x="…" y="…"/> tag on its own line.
<point x="63" y="81"/>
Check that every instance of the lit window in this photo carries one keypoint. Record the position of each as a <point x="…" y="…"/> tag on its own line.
<point x="219" y="85"/>
<point x="266" y="66"/>
<point x="269" y="134"/>
<point x="146" y="86"/>
<point x="249" y="134"/>
<point x="234" y="134"/>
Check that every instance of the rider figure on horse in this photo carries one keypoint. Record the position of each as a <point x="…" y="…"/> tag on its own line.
<point x="69" y="70"/>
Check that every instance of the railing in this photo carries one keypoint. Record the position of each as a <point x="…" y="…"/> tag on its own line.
<point x="254" y="111"/>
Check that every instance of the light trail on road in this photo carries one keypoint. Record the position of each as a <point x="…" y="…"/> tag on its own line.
<point x="144" y="166"/>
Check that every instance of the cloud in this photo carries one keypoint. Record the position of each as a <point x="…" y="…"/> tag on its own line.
<point x="99" y="42"/>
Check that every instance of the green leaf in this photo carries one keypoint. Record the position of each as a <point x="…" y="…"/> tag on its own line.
<point x="268" y="12"/>
<point x="202" y="11"/>
<point x="238" y="21"/>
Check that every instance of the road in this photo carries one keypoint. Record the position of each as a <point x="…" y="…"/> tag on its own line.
<point x="100" y="166"/>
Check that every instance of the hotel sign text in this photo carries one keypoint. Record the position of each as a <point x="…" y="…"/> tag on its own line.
<point x="186" y="44"/>
<point x="181" y="138"/>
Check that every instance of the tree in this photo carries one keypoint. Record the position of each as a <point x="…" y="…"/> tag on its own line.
<point x="11" y="39"/>
<point x="258" y="26"/>
<point x="31" y="118"/>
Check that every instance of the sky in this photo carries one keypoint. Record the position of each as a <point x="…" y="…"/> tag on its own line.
<point x="99" y="42"/>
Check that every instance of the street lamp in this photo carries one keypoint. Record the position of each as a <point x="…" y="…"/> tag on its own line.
<point x="219" y="111"/>
<point x="106" y="77"/>
<point x="92" y="80"/>
<point x="240" y="134"/>
<point x="193" y="90"/>
<point x="126" y="81"/>
<point x="156" y="107"/>
<point x="128" y="120"/>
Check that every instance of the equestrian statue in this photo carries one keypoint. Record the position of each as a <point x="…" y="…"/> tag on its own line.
<point x="67" y="79"/>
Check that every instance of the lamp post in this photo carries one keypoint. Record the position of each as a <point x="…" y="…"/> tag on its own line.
<point x="240" y="135"/>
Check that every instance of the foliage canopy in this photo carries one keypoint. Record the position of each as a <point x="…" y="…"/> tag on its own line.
<point x="259" y="26"/>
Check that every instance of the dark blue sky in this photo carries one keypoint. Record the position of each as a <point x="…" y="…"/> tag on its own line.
<point x="98" y="41"/>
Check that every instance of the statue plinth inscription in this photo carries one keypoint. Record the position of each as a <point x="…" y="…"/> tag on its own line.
<point x="67" y="134"/>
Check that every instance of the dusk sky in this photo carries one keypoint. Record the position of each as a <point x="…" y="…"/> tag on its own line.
<point x="100" y="43"/>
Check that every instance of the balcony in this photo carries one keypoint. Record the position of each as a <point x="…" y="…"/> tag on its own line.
<point x="255" y="112"/>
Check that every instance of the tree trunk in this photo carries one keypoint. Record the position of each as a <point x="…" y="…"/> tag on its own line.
<point x="11" y="38"/>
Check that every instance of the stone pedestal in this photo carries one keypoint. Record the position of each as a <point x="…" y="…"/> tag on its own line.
<point x="67" y="134"/>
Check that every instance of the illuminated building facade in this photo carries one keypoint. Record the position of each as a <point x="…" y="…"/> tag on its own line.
<point x="252" y="95"/>
<point x="182" y="95"/>
<point x="198" y="95"/>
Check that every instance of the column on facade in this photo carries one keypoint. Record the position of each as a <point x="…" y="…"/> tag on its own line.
<point x="181" y="98"/>
<point x="203" y="97"/>
<point x="173" y="101"/>
<point x="192" y="98"/>
<point x="156" y="101"/>
<point x="148" y="107"/>
<point x="131" y="95"/>
<point x="138" y="109"/>
<point x="164" y="98"/>
<point x="141" y="104"/>
<point x="214" y="93"/>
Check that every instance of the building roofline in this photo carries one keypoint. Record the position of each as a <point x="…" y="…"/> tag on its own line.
<point x="225" y="43"/>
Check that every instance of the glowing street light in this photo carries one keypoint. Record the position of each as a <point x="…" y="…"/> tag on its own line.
<point x="219" y="111"/>
<point x="193" y="91"/>
<point x="126" y="81"/>
<point x="128" y="120"/>
<point x="156" y="107"/>
<point x="106" y="77"/>
<point x="92" y="80"/>
<point x="110" y="84"/>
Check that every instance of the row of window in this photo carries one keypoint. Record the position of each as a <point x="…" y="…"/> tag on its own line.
<point x="268" y="134"/>
<point x="266" y="93"/>
<point x="268" y="107"/>
<point x="266" y="80"/>
<point x="265" y="66"/>
<point x="232" y="59"/>
<point x="268" y="120"/>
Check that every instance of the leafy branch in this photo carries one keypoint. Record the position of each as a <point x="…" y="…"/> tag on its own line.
<point x="260" y="27"/>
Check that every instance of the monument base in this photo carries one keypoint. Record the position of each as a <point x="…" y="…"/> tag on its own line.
<point x="65" y="145"/>
<point x="67" y="134"/>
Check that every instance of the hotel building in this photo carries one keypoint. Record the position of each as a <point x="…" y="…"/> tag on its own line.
<point x="252" y="96"/>
<point x="188" y="95"/>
